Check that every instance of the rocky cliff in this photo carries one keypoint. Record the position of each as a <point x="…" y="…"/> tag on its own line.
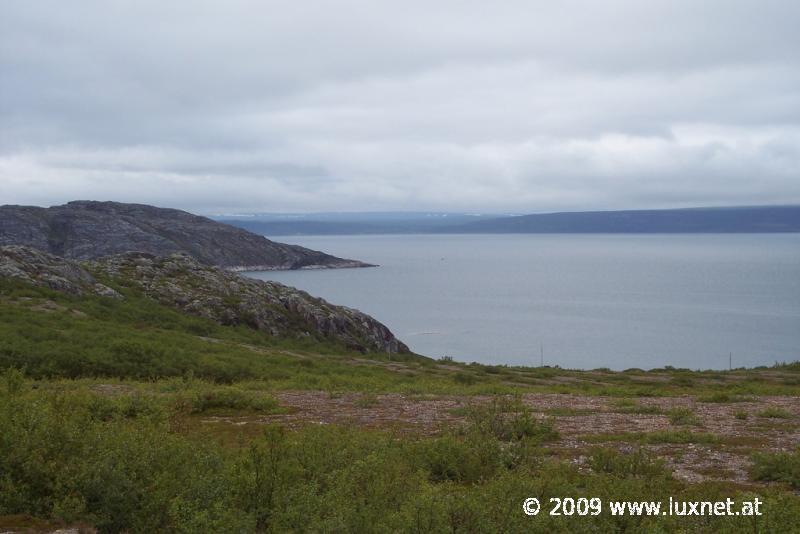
<point x="182" y="282"/>
<point x="87" y="230"/>
<point x="42" y="269"/>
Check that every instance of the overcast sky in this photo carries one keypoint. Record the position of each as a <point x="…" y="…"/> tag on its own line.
<point x="523" y="106"/>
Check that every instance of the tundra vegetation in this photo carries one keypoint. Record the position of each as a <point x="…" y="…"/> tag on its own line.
<point x="126" y="415"/>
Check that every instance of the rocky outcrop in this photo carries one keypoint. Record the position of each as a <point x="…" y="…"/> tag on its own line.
<point x="87" y="230"/>
<point x="182" y="282"/>
<point x="42" y="269"/>
<point x="227" y="298"/>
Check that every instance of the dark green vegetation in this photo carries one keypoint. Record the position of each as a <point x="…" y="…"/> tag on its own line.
<point x="775" y="413"/>
<point x="683" y="416"/>
<point x="778" y="467"/>
<point x="112" y="415"/>
<point x="53" y="335"/>
<point x="71" y="454"/>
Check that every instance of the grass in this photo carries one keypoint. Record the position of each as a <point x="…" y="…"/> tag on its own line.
<point x="71" y="455"/>
<point x="654" y="438"/>
<point x="509" y="420"/>
<point x="740" y="415"/>
<point x="227" y="399"/>
<point x="105" y="408"/>
<point x="140" y="339"/>
<point x="367" y="400"/>
<point x="568" y="411"/>
<point x="778" y="467"/>
<point x="683" y="416"/>
<point x="721" y="397"/>
<point x="637" y="463"/>
<point x="773" y="412"/>
<point x="633" y="407"/>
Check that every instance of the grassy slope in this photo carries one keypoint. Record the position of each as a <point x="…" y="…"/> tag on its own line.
<point x="107" y="429"/>
<point x="53" y="335"/>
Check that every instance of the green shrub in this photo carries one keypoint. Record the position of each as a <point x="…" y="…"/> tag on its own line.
<point x="683" y="416"/>
<point x="777" y="467"/>
<point x="720" y="397"/>
<point x="682" y="381"/>
<point x="459" y="459"/>
<point x="509" y="420"/>
<point x="774" y="412"/>
<point x="636" y="463"/>
<point x="631" y="406"/>
<point x="680" y="436"/>
<point x="106" y="408"/>
<point x="14" y="380"/>
<point x="61" y="461"/>
<point x="465" y="378"/>
<point x="68" y="455"/>
<point x="367" y="400"/>
<point x="227" y="398"/>
<point x="657" y="437"/>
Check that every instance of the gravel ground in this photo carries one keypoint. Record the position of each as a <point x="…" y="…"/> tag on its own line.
<point x="579" y="420"/>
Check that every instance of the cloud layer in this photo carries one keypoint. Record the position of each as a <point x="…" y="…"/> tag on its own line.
<point x="453" y="105"/>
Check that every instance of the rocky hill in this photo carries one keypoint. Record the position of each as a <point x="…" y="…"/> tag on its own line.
<point x="184" y="283"/>
<point x="87" y="230"/>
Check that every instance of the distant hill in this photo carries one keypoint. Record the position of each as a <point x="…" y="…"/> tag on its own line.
<point x="749" y="219"/>
<point x="282" y="224"/>
<point x="746" y="219"/>
<point x="87" y="229"/>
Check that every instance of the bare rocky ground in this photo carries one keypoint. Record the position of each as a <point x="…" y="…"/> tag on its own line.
<point x="582" y="421"/>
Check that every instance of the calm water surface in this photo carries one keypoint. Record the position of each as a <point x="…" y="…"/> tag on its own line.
<point x="589" y="301"/>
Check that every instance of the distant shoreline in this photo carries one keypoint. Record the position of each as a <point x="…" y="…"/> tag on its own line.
<point x="737" y="220"/>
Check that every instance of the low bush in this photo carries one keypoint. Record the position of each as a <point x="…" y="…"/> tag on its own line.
<point x="633" y="407"/>
<point x="636" y="463"/>
<point x="72" y="456"/>
<point x="683" y="416"/>
<point x="720" y="397"/>
<point x="226" y="398"/>
<point x="459" y="459"/>
<point x="773" y="412"/>
<point x="777" y="467"/>
<point x="507" y="419"/>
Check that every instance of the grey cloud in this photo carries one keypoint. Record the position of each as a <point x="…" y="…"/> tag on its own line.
<point x="523" y="106"/>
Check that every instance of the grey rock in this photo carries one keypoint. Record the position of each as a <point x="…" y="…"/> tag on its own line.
<point x="43" y="269"/>
<point x="87" y="230"/>
<point x="180" y="281"/>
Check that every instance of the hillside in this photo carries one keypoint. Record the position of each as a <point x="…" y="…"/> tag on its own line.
<point x="745" y="219"/>
<point x="180" y="282"/>
<point x="757" y="219"/>
<point x="86" y="229"/>
<point x="138" y="395"/>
